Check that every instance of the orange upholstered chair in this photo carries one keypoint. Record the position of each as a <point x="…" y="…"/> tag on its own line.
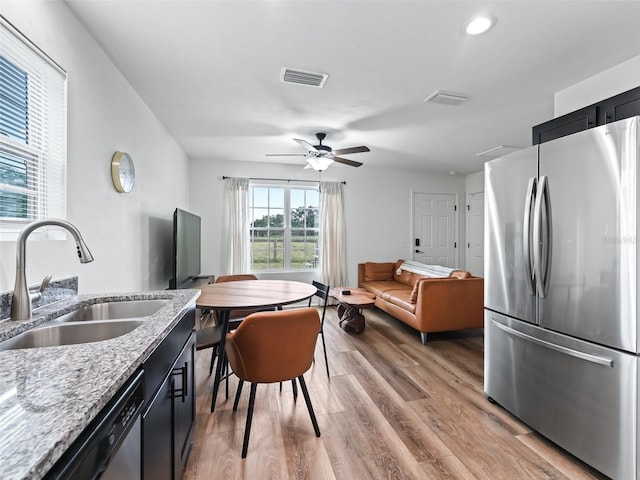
<point x="270" y="347"/>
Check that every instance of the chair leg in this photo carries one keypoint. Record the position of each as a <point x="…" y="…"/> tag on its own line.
<point x="238" y="392"/>
<point x="305" y="393"/>
<point x="423" y="338"/>
<point x="295" y="388"/>
<point x="216" y="381"/>
<point x="324" y="347"/>
<point x="226" y="374"/>
<point x="214" y="352"/>
<point x="247" y="428"/>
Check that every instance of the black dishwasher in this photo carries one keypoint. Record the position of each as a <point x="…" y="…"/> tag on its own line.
<point x="110" y="447"/>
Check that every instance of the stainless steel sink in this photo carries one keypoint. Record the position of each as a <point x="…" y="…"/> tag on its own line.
<point x="114" y="310"/>
<point x="71" y="333"/>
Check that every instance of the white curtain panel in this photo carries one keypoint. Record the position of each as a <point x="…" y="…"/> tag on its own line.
<point x="235" y="228"/>
<point x="333" y="238"/>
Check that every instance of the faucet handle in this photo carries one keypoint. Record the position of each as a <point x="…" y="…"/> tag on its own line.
<point x="43" y="286"/>
<point x="45" y="283"/>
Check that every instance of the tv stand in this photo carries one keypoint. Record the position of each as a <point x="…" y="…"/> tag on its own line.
<point x="197" y="282"/>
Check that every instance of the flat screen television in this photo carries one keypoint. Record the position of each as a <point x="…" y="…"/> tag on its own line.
<point x="186" y="248"/>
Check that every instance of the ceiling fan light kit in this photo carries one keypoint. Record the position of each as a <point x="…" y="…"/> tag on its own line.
<point x="479" y="25"/>
<point x="319" y="164"/>
<point x="320" y="156"/>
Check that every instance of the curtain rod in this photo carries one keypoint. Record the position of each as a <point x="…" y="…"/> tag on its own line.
<point x="282" y="180"/>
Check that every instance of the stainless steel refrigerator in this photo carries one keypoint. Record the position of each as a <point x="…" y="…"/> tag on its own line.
<point x="561" y="292"/>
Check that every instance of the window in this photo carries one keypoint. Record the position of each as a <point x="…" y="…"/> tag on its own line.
<point x="33" y="133"/>
<point x="284" y="227"/>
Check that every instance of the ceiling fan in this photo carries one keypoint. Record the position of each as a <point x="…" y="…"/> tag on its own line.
<point x="320" y="156"/>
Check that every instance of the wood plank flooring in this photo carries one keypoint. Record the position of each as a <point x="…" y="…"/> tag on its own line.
<point x="392" y="408"/>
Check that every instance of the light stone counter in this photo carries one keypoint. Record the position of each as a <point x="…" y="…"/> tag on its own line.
<point x="49" y="395"/>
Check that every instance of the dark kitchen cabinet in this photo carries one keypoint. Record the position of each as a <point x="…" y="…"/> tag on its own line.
<point x="184" y="406"/>
<point x="565" y="125"/>
<point x="168" y="417"/>
<point x="620" y="106"/>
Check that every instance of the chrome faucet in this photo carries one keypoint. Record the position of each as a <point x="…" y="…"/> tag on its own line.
<point x="21" y="299"/>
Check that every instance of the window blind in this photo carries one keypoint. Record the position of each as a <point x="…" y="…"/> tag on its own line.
<point x="33" y="132"/>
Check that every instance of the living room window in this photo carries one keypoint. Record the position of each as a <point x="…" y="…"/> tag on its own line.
<point x="33" y="133"/>
<point x="284" y="227"/>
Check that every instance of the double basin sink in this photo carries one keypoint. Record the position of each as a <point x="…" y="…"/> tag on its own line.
<point x="92" y="323"/>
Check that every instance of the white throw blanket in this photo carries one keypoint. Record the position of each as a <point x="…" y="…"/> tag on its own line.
<point x="432" y="271"/>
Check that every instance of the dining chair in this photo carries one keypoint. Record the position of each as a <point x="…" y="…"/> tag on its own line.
<point x="323" y="293"/>
<point x="236" y="316"/>
<point x="209" y="337"/>
<point x="270" y="347"/>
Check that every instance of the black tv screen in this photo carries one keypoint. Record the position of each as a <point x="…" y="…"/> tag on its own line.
<point x="186" y="248"/>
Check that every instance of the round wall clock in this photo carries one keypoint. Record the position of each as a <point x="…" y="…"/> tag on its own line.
<point x="123" y="172"/>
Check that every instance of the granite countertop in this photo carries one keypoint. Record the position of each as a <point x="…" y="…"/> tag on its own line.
<point x="49" y="395"/>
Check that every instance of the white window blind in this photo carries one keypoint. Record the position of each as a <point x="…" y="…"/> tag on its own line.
<point x="33" y="132"/>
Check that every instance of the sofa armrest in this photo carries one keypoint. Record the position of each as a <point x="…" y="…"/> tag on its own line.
<point x="450" y="304"/>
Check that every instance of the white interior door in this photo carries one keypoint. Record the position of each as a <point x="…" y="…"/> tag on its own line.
<point x="475" y="233"/>
<point x="434" y="227"/>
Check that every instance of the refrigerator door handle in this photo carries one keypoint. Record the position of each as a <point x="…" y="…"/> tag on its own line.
<point x="542" y="247"/>
<point x="607" y="362"/>
<point x="526" y="234"/>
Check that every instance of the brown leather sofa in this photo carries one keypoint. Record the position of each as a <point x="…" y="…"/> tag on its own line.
<point x="426" y="304"/>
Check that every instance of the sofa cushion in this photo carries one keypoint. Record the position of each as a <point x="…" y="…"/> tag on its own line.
<point x="460" y="274"/>
<point x="381" y="286"/>
<point x="413" y="297"/>
<point x="378" y="271"/>
<point x="400" y="298"/>
<point x="404" y="277"/>
<point x="415" y="278"/>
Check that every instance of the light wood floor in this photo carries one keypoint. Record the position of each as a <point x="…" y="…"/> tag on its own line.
<point x="392" y="408"/>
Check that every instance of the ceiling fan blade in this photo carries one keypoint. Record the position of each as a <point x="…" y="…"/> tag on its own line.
<point x="305" y="145"/>
<point x="346" y="161"/>
<point x="347" y="151"/>
<point x="286" y="154"/>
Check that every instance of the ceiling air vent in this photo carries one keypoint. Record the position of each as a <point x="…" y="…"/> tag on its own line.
<point x="499" y="151"/>
<point x="301" y="77"/>
<point x="448" y="98"/>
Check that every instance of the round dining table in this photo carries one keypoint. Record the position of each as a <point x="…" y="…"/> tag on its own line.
<point x="247" y="295"/>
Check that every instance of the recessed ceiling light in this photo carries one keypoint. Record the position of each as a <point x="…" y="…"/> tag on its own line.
<point x="480" y="25"/>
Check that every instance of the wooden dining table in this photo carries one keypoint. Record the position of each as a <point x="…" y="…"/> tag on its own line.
<point x="225" y="297"/>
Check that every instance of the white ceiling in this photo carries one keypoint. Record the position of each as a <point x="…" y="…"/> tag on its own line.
<point x="209" y="70"/>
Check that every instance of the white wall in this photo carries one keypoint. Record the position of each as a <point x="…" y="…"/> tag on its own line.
<point x="608" y="83"/>
<point x="474" y="182"/>
<point x="378" y="206"/>
<point x="128" y="234"/>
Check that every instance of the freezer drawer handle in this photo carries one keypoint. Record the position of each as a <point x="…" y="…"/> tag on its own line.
<point x="607" y="362"/>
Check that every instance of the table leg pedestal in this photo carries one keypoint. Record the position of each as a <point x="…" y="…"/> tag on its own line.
<point x="351" y="318"/>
